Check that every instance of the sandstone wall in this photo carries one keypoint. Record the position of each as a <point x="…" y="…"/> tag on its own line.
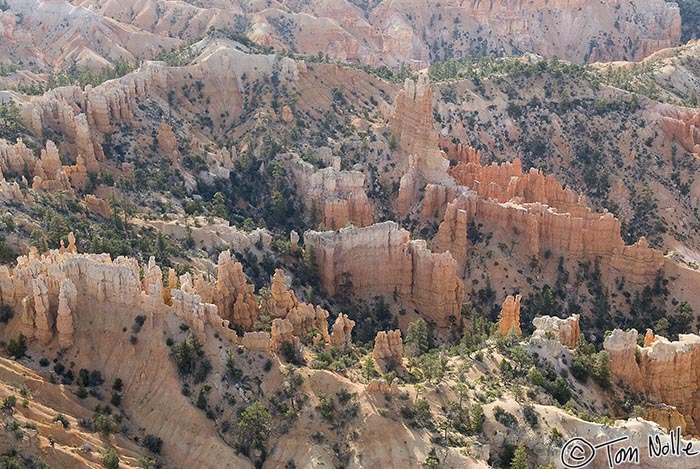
<point x="540" y="228"/>
<point x="666" y="372"/>
<point x="382" y="260"/>
<point x="338" y="196"/>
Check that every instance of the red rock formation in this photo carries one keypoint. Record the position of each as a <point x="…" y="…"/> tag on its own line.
<point x="234" y="296"/>
<point x="283" y="301"/>
<point x="382" y="260"/>
<point x="649" y="338"/>
<point x="510" y="316"/>
<point x="167" y="142"/>
<point x="412" y="125"/>
<point x="380" y="385"/>
<point x="341" y="332"/>
<point x="668" y="372"/>
<point x="542" y="228"/>
<point x="667" y="416"/>
<point x="338" y="196"/>
<point x="681" y="125"/>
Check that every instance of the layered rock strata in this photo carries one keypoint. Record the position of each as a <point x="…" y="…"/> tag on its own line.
<point x="382" y="260"/>
<point x="566" y="331"/>
<point x="510" y="316"/>
<point x="337" y="196"/>
<point x="388" y="347"/>
<point x="666" y="372"/>
<point x="542" y="228"/>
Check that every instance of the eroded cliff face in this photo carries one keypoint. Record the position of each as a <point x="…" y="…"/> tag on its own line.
<point x="382" y="260"/>
<point x="53" y="34"/>
<point x="410" y="31"/>
<point x="338" y="197"/>
<point x="542" y="228"/>
<point x="411" y="124"/>
<point x="667" y="372"/>
<point x="681" y="125"/>
<point x="510" y="316"/>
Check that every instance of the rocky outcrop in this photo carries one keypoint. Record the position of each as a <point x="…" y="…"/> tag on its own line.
<point x="510" y="316"/>
<point x="82" y="117"/>
<point x="412" y="125"/>
<point x="233" y="295"/>
<point x="167" y="142"/>
<point x="337" y="196"/>
<point x="566" y="331"/>
<point x="649" y="338"/>
<point x="382" y="260"/>
<point x="283" y="300"/>
<point x="257" y="341"/>
<point x="388" y="348"/>
<point x="540" y="228"/>
<point x="64" y="319"/>
<point x="681" y="125"/>
<point x="283" y="332"/>
<point x="212" y="232"/>
<point x="665" y="415"/>
<point x="666" y="372"/>
<point x="341" y="332"/>
<point x="46" y="172"/>
<point x="380" y="385"/>
<point x="58" y="291"/>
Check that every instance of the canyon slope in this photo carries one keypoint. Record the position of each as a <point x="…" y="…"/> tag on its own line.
<point x="346" y="233"/>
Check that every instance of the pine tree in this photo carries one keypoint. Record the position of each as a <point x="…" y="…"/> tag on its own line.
<point x="519" y="460"/>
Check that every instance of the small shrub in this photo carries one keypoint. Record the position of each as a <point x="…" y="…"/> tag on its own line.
<point x="44" y="362"/>
<point x="18" y="347"/>
<point x="152" y="443"/>
<point x="9" y="402"/>
<point x="116" y="399"/>
<point x="505" y="417"/>
<point x="110" y="459"/>
<point x="6" y="313"/>
<point x="63" y="419"/>
<point x="117" y="386"/>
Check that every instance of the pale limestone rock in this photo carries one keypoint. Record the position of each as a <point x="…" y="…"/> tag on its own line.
<point x="341" y="333"/>
<point x="43" y="318"/>
<point x="283" y="331"/>
<point x="257" y="341"/>
<point x="294" y="240"/>
<point x="566" y="331"/>
<point x="27" y="317"/>
<point x="64" y="318"/>
<point x="388" y="347"/>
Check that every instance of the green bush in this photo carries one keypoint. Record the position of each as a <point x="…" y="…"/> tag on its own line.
<point x="6" y="313"/>
<point x="153" y="443"/>
<point x="18" y="347"/>
<point x="110" y="459"/>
